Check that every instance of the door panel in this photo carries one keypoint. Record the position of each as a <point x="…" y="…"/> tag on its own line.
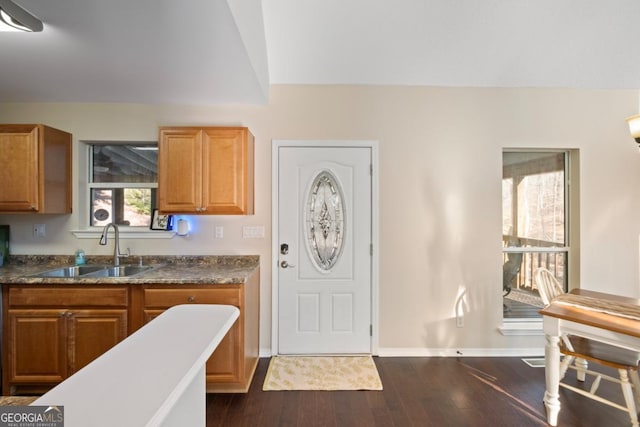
<point x="180" y="179"/>
<point x="308" y="313"/>
<point x="93" y="333"/>
<point x="20" y="171"/>
<point x="324" y="227"/>
<point x="45" y="331"/>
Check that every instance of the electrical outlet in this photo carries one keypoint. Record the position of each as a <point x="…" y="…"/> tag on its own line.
<point x="460" y="321"/>
<point x="253" y="232"/>
<point x="39" y="230"/>
<point x="219" y="232"/>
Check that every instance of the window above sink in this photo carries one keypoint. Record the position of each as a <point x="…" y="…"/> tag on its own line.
<point x="122" y="182"/>
<point x="118" y="183"/>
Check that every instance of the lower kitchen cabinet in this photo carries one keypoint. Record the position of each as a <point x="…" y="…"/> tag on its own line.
<point x="92" y="333"/>
<point x="52" y="332"/>
<point x="232" y="365"/>
<point x="37" y="348"/>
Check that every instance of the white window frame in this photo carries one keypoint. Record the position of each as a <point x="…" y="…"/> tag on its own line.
<point x="85" y="171"/>
<point x="533" y="326"/>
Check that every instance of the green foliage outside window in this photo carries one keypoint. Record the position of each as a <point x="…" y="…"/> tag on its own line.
<point x="139" y="198"/>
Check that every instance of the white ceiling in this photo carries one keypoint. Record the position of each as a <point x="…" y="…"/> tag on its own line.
<point x="229" y="51"/>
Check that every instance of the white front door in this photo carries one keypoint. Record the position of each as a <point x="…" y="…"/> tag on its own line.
<point x="324" y="250"/>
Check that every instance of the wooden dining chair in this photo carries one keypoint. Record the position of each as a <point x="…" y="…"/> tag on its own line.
<point x="549" y="288"/>
<point x="584" y="350"/>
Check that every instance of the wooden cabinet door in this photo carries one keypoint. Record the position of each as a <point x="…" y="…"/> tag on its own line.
<point x="180" y="170"/>
<point x="37" y="341"/>
<point x="226" y="363"/>
<point x="35" y="169"/>
<point x="227" y="171"/>
<point x="206" y="170"/>
<point x="19" y="169"/>
<point x="92" y="333"/>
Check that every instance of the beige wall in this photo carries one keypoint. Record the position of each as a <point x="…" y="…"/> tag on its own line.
<point x="440" y="197"/>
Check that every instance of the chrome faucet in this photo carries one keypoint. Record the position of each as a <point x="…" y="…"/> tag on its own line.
<point x="116" y="246"/>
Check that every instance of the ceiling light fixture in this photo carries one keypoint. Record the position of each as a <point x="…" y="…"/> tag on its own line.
<point x="634" y="127"/>
<point x="15" y="18"/>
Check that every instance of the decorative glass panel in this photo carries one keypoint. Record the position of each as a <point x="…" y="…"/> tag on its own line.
<point x="324" y="225"/>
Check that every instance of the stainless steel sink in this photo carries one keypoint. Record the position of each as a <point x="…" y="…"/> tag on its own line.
<point x="120" y="271"/>
<point x="73" y="271"/>
<point x="95" y="271"/>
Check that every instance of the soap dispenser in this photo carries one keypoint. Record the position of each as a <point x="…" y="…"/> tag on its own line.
<point x="80" y="260"/>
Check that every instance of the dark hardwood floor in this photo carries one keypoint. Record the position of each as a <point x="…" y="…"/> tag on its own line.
<point x="420" y="392"/>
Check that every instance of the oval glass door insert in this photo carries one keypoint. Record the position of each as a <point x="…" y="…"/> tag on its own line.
<point x="324" y="225"/>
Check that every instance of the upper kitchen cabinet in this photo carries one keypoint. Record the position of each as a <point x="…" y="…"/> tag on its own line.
<point x="35" y="169"/>
<point x="205" y="170"/>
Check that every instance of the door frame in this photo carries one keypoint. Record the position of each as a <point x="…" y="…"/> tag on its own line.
<point x="276" y="144"/>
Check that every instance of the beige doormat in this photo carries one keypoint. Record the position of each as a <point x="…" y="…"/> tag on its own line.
<point x="322" y="373"/>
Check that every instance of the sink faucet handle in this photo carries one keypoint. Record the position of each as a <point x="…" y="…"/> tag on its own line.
<point x="140" y="260"/>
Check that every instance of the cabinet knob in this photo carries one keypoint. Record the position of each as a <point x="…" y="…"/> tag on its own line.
<point x="62" y="313"/>
<point x="69" y="314"/>
<point x="191" y="298"/>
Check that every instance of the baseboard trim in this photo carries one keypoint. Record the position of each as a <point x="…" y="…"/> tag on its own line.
<point x="449" y="352"/>
<point x="264" y="352"/>
<point x="461" y="352"/>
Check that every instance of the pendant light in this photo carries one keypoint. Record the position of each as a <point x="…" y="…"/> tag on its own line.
<point x="15" y="18"/>
<point x="634" y="127"/>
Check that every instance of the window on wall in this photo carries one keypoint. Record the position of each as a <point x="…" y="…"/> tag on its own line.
<point x="534" y="226"/>
<point x="123" y="181"/>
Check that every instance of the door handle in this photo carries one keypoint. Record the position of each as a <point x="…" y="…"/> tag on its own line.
<point x="285" y="264"/>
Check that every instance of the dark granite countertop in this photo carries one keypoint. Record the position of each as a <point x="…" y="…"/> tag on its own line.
<point x="214" y="269"/>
